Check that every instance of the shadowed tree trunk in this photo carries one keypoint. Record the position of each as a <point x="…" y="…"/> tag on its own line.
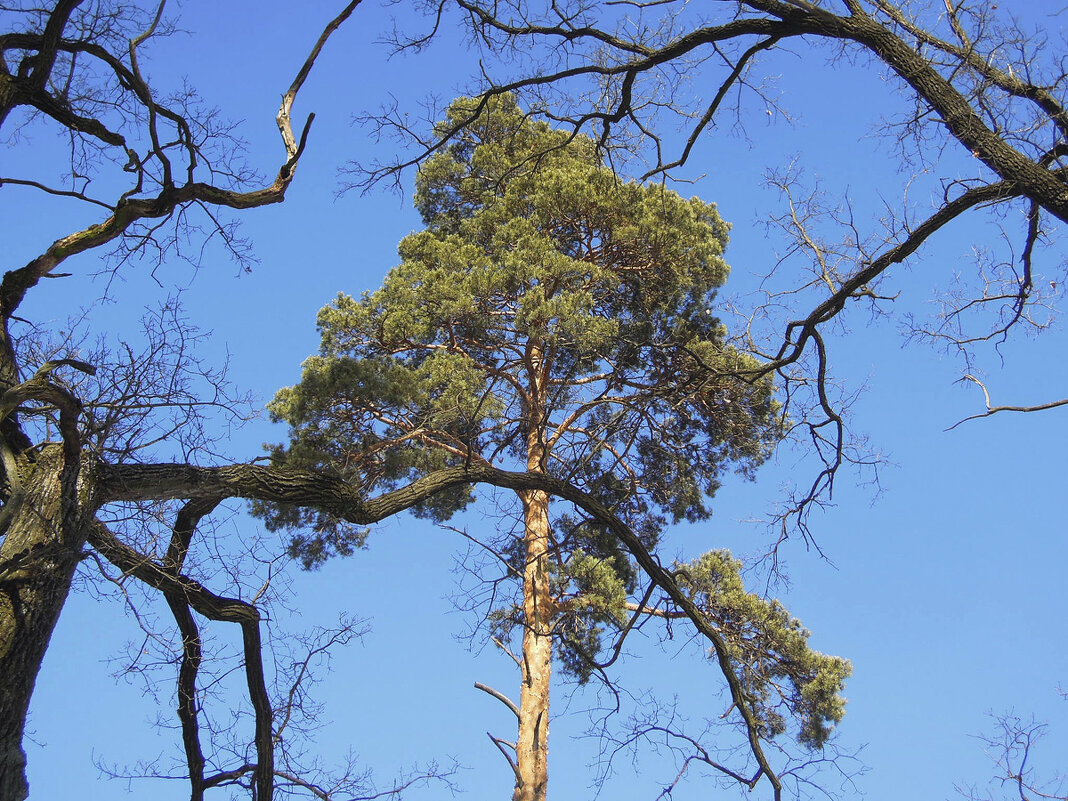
<point x="38" y="556"/>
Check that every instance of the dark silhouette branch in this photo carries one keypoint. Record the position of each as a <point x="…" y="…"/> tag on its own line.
<point x="138" y="482"/>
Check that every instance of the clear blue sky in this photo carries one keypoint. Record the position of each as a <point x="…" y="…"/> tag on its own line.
<point x="945" y="589"/>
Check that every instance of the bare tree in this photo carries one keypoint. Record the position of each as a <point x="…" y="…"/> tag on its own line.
<point x="75" y="67"/>
<point x="1011" y="746"/>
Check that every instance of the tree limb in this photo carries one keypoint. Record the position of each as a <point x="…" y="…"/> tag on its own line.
<point x="164" y="481"/>
<point x="184" y="591"/>
<point x="504" y="699"/>
<point x="1041" y="407"/>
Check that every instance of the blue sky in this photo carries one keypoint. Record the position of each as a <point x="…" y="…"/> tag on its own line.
<point x="945" y="587"/>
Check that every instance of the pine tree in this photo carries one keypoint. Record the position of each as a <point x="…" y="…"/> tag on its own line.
<point x="550" y="318"/>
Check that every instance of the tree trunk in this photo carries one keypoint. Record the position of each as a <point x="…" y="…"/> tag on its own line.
<point x="532" y="744"/>
<point x="38" y="556"/>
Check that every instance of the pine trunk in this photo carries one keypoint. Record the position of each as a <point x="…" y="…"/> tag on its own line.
<point x="38" y="556"/>
<point x="532" y="744"/>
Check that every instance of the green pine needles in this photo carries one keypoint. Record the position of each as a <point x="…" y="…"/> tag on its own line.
<point x="769" y="651"/>
<point x="545" y="293"/>
<point x="556" y="319"/>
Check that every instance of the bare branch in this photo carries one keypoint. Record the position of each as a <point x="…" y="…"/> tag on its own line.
<point x="990" y="409"/>
<point x="504" y="699"/>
